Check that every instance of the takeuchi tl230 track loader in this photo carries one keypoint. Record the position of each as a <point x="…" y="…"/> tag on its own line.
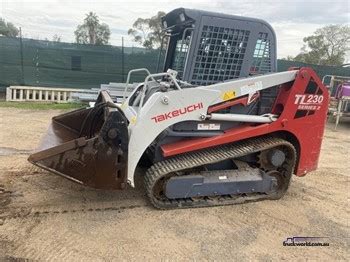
<point x="218" y="126"/>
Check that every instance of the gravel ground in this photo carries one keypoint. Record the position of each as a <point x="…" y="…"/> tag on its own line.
<point x="45" y="217"/>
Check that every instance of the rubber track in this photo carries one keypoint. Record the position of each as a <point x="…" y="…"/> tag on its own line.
<point x="208" y="156"/>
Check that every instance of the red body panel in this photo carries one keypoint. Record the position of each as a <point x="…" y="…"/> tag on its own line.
<point x="302" y="106"/>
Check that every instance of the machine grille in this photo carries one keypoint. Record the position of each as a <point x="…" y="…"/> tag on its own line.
<point x="220" y="54"/>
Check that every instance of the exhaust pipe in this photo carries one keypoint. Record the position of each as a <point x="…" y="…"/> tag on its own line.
<point x="88" y="146"/>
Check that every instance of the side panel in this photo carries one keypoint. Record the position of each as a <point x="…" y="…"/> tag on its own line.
<point x="303" y="106"/>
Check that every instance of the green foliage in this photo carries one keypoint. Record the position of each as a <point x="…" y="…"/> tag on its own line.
<point x="41" y="106"/>
<point x="56" y="38"/>
<point x="148" y="32"/>
<point x="92" y="31"/>
<point x="8" y="29"/>
<point x="327" y="46"/>
<point x="289" y="58"/>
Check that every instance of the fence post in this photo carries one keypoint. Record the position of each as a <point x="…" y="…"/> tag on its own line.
<point x="21" y="52"/>
<point x="122" y="59"/>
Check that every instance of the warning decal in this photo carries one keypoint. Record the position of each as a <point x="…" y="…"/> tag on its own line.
<point x="228" y="95"/>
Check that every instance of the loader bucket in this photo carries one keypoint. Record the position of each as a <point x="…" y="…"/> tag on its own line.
<point x="88" y="146"/>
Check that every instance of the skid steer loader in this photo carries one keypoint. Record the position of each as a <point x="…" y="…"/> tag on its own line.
<point x="218" y="126"/>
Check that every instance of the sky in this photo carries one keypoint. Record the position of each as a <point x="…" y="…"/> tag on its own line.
<point x="291" y="20"/>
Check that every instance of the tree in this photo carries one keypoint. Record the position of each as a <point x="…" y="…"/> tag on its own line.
<point x="148" y="31"/>
<point x="92" y="31"/>
<point x="56" y="38"/>
<point x="327" y="46"/>
<point x="8" y="29"/>
<point x="288" y="58"/>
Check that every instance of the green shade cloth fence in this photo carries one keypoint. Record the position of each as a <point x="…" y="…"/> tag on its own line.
<point x="45" y="63"/>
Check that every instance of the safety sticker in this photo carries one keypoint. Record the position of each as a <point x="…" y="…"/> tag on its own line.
<point x="252" y="87"/>
<point x="228" y="95"/>
<point x="133" y="120"/>
<point x="208" y="127"/>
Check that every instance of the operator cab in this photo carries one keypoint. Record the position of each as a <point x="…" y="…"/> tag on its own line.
<point x="206" y="47"/>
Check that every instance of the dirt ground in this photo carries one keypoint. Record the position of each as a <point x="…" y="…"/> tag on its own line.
<point x="45" y="217"/>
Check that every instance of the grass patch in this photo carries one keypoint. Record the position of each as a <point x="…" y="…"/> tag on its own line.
<point x="41" y="106"/>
